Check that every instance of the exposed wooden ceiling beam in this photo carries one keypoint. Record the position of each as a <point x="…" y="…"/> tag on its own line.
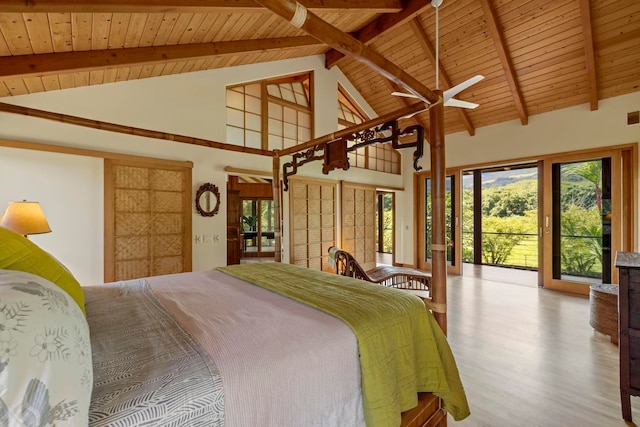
<point x="590" y="56"/>
<point x="505" y="59"/>
<point x="300" y="17"/>
<point x="429" y="50"/>
<point x="55" y="63"/>
<point x="184" y="6"/>
<point x="375" y="29"/>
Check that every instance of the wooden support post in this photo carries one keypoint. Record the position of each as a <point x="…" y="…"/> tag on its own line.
<point x="438" y="243"/>
<point x="275" y="185"/>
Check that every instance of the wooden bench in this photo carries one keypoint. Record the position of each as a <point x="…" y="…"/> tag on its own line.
<point x="415" y="281"/>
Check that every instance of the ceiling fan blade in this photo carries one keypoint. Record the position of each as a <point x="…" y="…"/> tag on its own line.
<point x="406" y="95"/>
<point x="408" y="116"/>
<point x="450" y="93"/>
<point x="452" y="102"/>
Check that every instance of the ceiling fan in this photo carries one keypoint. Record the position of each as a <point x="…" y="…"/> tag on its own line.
<point x="448" y="95"/>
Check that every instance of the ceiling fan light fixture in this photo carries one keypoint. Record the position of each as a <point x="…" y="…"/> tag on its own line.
<point x="447" y="96"/>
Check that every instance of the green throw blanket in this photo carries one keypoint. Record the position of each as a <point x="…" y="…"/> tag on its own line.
<point x="402" y="349"/>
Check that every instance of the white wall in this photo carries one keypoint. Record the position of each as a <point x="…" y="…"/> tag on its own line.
<point x="69" y="189"/>
<point x="193" y="104"/>
<point x="575" y="128"/>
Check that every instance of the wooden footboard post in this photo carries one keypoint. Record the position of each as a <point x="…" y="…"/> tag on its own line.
<point x="428" y="413"/>
<point x="275" y="186"/>
<point x="438" y="244"/>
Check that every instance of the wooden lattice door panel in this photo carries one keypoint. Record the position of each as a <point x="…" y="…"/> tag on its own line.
<point x="148" y="219"/>
<point x="312" y="226"/>
<point x="359" y="223"/>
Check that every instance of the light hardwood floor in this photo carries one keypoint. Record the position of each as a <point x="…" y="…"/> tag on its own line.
<point x="528" y="356"/>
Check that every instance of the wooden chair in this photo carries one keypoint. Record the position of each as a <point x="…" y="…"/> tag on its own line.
<point x="415" y="281"/>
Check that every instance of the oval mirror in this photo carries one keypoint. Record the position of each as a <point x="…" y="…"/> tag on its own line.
<point x="208" y="200"/>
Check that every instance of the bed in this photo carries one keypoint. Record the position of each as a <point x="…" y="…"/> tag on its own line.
<point x="247" y="345"/>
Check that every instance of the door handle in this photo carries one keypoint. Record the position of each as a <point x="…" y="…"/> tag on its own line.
<point x="546" y="224"/>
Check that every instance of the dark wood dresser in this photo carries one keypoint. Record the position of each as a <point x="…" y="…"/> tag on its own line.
<point x="628" y="264"/>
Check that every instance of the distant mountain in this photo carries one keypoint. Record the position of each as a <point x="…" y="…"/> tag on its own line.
<point x="502" y="178"/>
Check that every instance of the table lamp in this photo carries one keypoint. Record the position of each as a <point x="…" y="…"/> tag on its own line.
<point x="25" y="218"/>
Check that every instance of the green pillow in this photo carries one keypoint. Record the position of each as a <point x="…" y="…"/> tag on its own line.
<point x="19" y="253"/>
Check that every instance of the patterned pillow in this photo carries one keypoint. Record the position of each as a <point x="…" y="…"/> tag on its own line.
<point x="46" y="374"/>
<point x="19" y="253"/>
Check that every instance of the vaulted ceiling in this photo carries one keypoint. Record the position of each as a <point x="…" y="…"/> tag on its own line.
<point x="536" y="55"/>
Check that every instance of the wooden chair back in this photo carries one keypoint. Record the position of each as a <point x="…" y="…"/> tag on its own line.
<point x="347" y="265"/>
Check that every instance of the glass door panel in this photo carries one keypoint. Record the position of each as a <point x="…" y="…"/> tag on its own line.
<point x="508" y="212"/>
<point x="249" y="228"/>
<point x="257" y="228"/>
<point x="452" y="213"/>
<point x="266" y="227"/>
<point x="468" y="217"/>
<point x="582" y="221"/>
<point x="385" y="221"/>
<point x="449" y="218"/>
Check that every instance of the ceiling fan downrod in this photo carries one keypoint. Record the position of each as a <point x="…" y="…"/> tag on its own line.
<point x="436" y="4"/>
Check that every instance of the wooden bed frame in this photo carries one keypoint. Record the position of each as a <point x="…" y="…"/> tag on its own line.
<point x="430" y="411"/>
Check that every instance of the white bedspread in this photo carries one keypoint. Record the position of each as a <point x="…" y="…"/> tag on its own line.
<point x="282" y="363"/>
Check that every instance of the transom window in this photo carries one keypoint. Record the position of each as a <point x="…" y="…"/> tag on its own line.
<point x="289" y="114"/>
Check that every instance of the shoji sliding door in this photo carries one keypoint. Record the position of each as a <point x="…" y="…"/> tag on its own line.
<point x="147" y="219"/>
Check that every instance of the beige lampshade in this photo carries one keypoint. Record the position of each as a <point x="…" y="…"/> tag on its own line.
<point x="25" y="218"/>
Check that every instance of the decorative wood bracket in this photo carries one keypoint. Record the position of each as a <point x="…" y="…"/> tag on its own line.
<point x="334" y="153"/>
<point x="300" y="159"/>
<point x="418" y="131"/>
<point x="372" y="136"/>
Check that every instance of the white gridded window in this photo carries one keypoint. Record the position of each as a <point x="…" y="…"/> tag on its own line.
<point x="293" y="92"/>
<point x="358" y="157"/>
<point x="289" y="121"/>
<point x="379" y="157"/>
<point x="244" y="125"/>
<point x="383" y="158"/>
<point x="347" y="115"/>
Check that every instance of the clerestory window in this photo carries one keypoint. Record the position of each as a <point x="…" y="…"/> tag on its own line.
<point x="271" y="114"/>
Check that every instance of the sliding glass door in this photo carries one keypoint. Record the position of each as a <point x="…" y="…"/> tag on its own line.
<point x="585" y="218"/>
<point x="564" y="215"/>
<point x="453" y="239"/>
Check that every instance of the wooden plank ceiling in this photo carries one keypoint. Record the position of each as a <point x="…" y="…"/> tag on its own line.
<point x="536" y="55"/>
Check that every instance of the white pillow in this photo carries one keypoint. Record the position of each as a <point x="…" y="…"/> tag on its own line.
<point x="46" y="375"/>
